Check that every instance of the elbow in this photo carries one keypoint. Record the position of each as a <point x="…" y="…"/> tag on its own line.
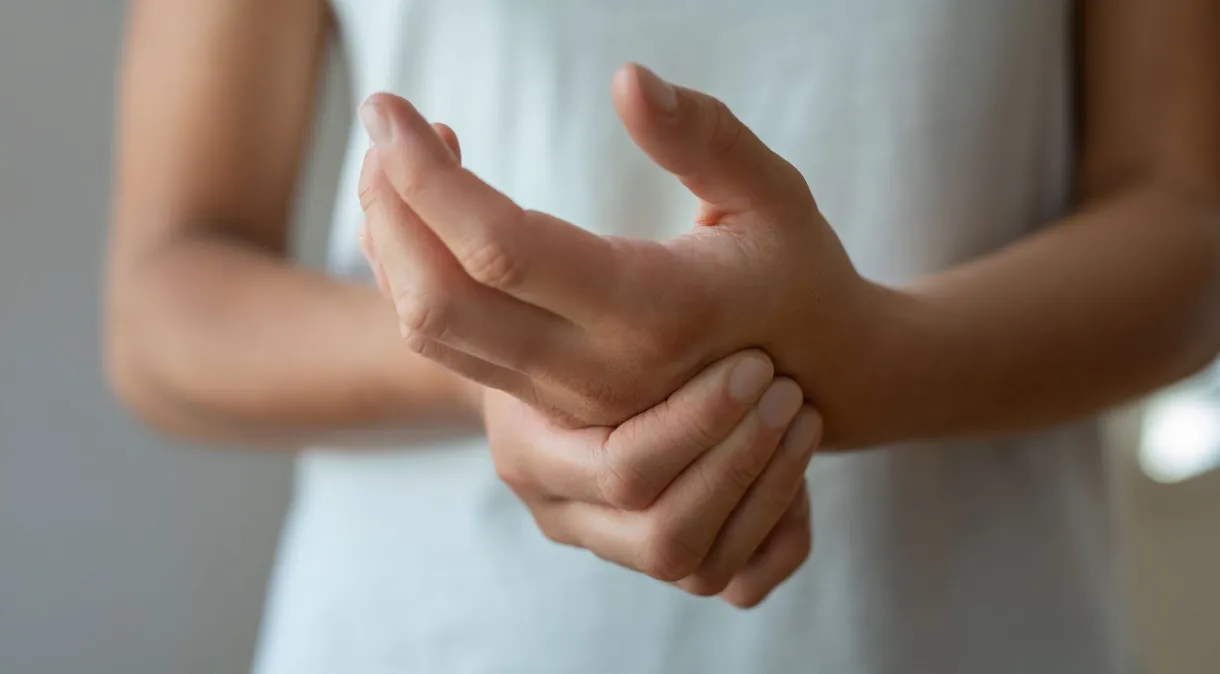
<point x="135" y="380"/>
<point x="131" y="380"/>
<point x="135" y="361"/>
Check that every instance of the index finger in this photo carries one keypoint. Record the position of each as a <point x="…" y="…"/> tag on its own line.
<point x="646" y="453"/>
<point x="530" y="255"/>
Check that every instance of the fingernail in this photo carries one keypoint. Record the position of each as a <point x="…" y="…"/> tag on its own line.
<point x="803" y="435"/>
<point x="657" y="92"/>
<point x="748" y="379"/>
<point x="779" y="404"/>
<point x="375" y="123"/>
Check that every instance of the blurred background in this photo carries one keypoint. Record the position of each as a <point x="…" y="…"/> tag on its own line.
<point x="122" y="553"/>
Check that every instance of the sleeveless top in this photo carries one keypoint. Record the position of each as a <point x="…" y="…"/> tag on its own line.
<point x="931" y="132"/>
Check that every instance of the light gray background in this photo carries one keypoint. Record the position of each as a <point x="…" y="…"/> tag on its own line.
<point x="122" y="553"/>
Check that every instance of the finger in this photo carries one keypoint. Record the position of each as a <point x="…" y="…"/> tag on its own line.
<point x="628" y="467"/>
<point x="644" y="455"/>
<point x="370" y="256"/>
<point x="436" y="302"/>
<point x="449" y="137"/>
<point x="782" y="554"/>
<point x="698" y="139"/>
<point x="532" y="256"/>
<point x="707" y="492"/>
<point x="541" y="459"/>
<point x="473" y="368"/>
<point x="761" y="509"/>
<point x="670" y="539"/>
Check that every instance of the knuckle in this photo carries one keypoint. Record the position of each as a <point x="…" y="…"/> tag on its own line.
<point x="492" y="263"/>
<point x="417" y="343"/>
<point x="665" y="556"/>
<point x="624" y="485"/>
<point x="745" y="468"/>
<point x="775" y="502"/>
<point x="699" y="427"/>
<point x="664" y="342"/>
<point x="424" y="314"/>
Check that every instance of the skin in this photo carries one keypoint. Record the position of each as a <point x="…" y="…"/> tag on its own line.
<point x="698" y="490"/>
<point x="212" y="334"/>
<point x="721" y="510"/>
<point x="1119" y="297"/>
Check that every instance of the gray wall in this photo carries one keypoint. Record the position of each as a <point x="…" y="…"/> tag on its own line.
<point x="120" y="553"/>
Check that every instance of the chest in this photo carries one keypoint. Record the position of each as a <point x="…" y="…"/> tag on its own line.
<point x="929" y="130"/>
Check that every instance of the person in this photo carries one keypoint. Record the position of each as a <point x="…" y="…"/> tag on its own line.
<point x="945" y="233"/>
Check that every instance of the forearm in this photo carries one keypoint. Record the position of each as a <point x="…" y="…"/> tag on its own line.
<point x="213" y="339"/>
<point x="1117" y="300"/>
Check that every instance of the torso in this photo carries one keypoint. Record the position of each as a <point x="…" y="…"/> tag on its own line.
<point x="931" y="131"/>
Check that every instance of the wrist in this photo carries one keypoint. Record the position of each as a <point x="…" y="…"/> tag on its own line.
<point x="860" y="366"/>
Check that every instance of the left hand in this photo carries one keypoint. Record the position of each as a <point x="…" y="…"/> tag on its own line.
<point x="591" y="329"/>
<point x="706" y="490"/>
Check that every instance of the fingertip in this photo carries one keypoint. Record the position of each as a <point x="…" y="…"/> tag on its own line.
<point x="744" y="598"/>
<point x="780" y="403"/>
<point x="393" y="121"/>
<point x="450" y="138"/>
<point x="641" y="97"/>
<point x="749" y="376"/>
<point x="385" y="103"/>
<point x="622" y="84"/>
<point x="659" y="94"/>
<point x="804" y="433"/>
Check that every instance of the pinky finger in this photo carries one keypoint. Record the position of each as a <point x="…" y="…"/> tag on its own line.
<point x="781" y="554"/>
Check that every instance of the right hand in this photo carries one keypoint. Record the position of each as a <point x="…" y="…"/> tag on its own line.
<point x="705" y="490"/>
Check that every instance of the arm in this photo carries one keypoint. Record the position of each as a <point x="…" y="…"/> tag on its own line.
<point x="210" y="332"/>
<point x="1119" y="298"/>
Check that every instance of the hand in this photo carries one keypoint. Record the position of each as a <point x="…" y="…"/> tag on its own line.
<point x="595" y="329"/>
<point x="705" y="490"/>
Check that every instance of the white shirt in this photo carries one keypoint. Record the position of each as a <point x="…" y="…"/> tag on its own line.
<point x="931" y="132"/>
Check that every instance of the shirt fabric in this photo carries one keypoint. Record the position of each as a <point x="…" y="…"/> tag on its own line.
<point x="931" y="132"/>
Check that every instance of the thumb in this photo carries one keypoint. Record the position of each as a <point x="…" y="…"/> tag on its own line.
<point x="698" y="139"/>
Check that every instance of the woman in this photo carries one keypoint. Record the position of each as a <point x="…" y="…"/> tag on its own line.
<point x="1015" y="227"/>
